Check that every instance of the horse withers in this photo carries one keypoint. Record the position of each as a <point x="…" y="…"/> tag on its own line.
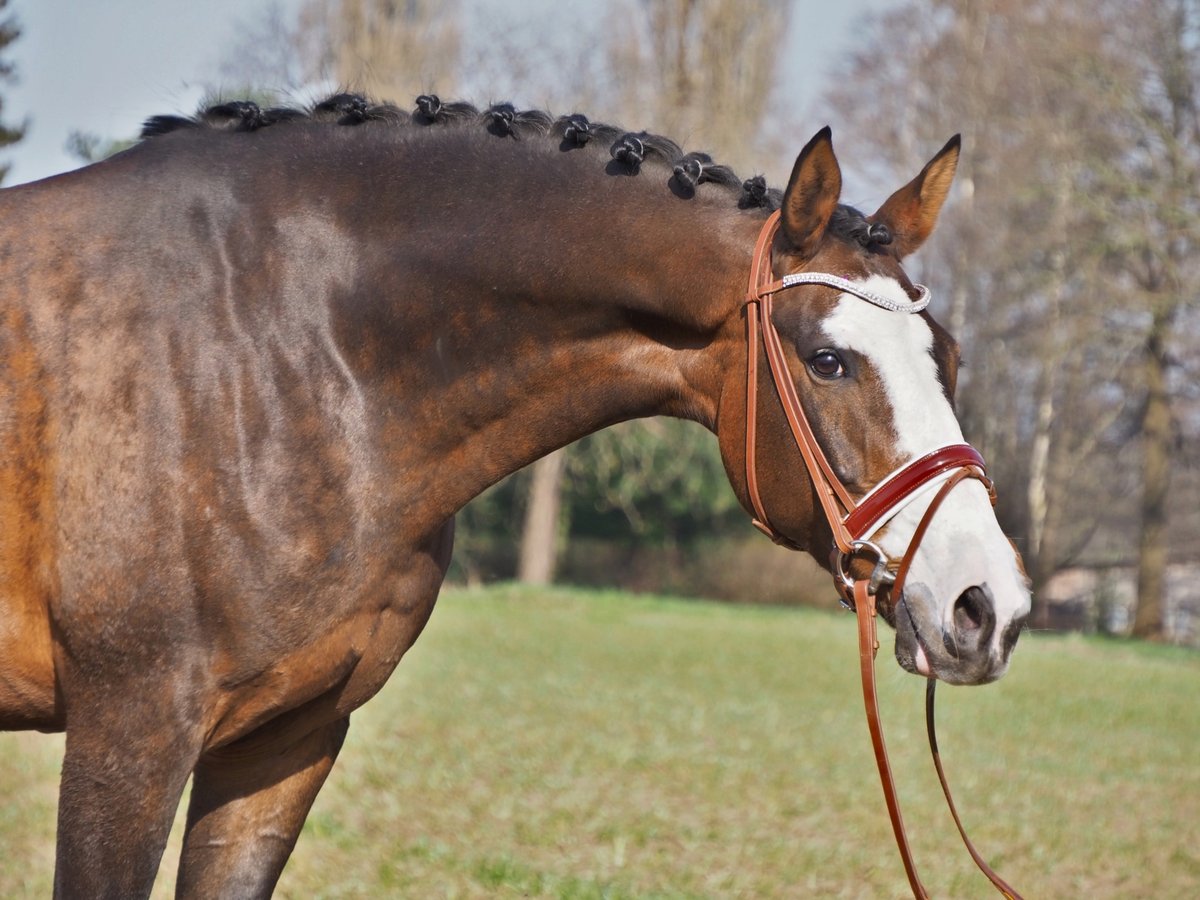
<point x="252" y="367"/>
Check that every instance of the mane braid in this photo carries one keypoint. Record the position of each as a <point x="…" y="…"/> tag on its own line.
<point x="629" y="150"/>
<point x="852" y="226"/>
<point x="355" y="109"/>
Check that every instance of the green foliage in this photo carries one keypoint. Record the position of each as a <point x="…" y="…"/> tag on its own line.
<point x="654" y="484"/>
<point x="657" y="480"/>
<point x="487" y="532"/>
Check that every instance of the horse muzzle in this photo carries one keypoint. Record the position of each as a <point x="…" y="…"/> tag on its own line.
<point x="967" y="646"/>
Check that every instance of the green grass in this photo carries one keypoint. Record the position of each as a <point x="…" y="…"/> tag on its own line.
<point x="595" y="745"/>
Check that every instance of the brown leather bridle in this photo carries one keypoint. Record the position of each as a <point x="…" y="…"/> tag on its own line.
<point x="853" y="521"/>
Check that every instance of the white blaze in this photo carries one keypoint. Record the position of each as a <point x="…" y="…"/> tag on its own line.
<point x="964" y="546"/>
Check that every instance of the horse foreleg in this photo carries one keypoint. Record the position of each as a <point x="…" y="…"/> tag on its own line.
<point x="121" y="783"/>
<point x="247" y="810"/>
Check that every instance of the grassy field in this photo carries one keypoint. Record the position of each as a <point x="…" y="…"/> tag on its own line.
<point x="592" y="745"/>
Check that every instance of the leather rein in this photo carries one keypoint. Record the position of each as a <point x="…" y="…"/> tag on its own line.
<point x="851" y="521"/>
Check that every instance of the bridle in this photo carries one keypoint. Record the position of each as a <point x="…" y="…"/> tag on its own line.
<point x="852" y="521"/>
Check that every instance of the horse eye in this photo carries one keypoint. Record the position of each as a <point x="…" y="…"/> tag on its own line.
<point x="827" y="364"/>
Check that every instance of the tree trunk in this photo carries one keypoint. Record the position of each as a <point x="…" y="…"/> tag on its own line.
<point x="1043" y="493"/>
<point x="1178" y="125"/>
<point x="1148" y="622"/>
<point x="539" y="536"/>
<point x="1041" y="562"/>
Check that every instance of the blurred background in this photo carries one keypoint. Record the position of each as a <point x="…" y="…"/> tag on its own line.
<point x="1066" y="262"/>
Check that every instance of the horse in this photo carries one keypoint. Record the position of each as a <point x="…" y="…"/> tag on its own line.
<point x="251" y="368"/>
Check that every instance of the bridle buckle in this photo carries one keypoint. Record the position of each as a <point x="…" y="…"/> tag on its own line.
<point x="881" y="576"/>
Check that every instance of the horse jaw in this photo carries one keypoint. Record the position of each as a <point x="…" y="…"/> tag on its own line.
<point x="966" y="596"/>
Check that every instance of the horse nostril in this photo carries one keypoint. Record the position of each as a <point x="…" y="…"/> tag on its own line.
<point x="972" y="610"/>
<point x="969" y="636"/>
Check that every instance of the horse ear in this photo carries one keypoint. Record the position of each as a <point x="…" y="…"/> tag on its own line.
<point x="912" y="211"/>
<point x="812" y="194"/>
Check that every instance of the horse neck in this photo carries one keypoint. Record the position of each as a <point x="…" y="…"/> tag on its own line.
<point x="538" y="334"/>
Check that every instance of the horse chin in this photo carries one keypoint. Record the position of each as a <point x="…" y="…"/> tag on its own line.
<point x="910" y="649"/>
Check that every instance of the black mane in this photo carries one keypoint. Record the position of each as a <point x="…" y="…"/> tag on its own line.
<point x="629" y="150"/>
<point x="852" y="226"/>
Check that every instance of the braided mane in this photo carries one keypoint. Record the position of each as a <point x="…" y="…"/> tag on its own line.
<point x="629" y="150"/>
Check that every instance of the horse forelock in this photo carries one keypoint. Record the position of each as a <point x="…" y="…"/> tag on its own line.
<point x="628" y="151"/>
<point x="853" y="227"/>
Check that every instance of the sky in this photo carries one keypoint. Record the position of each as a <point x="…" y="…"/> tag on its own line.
<point x="104" y="66"/>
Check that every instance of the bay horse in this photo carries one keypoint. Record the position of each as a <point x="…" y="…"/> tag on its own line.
<point x="252" y="367"/>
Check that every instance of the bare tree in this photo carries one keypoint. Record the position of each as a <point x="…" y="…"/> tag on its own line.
<point x="1159" y="253"/>
<point x="541" y="532"/>
<point x="390" y="49"/>
<point x="267" y="55"/>
<point x="700" y="71"/>
<point x="1069" y="249"/>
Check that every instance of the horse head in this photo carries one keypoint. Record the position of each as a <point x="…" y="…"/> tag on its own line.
<point x="871" y="376"/>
